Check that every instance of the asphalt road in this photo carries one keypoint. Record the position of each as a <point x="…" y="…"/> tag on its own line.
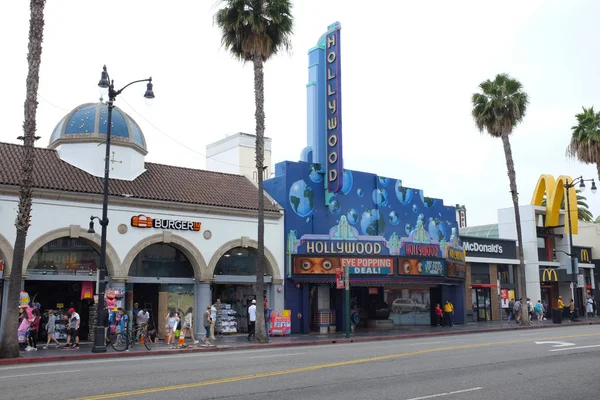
<point x="477" y="366"/>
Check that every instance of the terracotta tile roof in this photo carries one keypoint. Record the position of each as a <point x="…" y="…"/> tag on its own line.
<point x="159" y="182"/>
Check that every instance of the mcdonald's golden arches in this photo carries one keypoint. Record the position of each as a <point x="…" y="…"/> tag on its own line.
<point x="549" y="275"/>
<point x="555" y="193"/>
<point x="584" y="255"/>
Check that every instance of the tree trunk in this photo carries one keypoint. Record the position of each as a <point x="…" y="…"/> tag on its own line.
<point x="512" y="177"/>
<point x="9" y="346"/>
<point x="259" y="98"/>
<point x="598" y="168"/>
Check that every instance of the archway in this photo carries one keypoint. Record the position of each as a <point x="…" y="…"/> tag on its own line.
<point x="183" y="245"/>
<point x="271" y="265"/>
<point x="73" y="232"/>
<point x="6" y="256"/>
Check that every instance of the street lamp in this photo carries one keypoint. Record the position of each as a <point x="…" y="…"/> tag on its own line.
<point x="569" y="185"/>
<point x="107" y="88"/>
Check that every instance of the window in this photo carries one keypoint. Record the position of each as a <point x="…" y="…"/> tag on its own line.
<point x="507" y="274"/>
<point x="65" y="256"/>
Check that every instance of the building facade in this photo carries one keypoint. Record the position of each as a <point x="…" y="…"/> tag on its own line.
<point x="177" y="237"/>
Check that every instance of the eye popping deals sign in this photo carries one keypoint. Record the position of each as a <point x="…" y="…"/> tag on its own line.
<point x="421" y="267"/>
<point x="357" y="266"/>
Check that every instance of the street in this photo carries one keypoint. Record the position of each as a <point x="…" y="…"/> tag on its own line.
<point x="551" y="364"/>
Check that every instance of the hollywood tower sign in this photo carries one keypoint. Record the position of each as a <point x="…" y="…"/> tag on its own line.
<point x="324" y="119"/>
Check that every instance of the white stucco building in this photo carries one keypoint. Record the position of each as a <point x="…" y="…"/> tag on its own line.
<point x="177" y="237"/>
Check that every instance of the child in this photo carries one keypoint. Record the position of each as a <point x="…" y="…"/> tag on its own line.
<point x="438" y="315"/>
<point x="50" y="329"/>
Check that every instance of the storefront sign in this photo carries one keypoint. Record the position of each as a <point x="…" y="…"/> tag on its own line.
<point x="342" y="247"/>
<point x="421" y="250"/>
<point x="60" y="305"/>
<point x="87" y="290"/>
<point x="369" y="266"/>
<point x="143" y="221"/>
<point x="456" y="254"/>
<point x="584" y="254"/>
<point x="433" y="268"/>
<point x="489" y="248"/>
<point x="554" y="191"/>
<point x="335" y="169"/>
<point x="549" y="275"/>
<point x="456" y="270"/>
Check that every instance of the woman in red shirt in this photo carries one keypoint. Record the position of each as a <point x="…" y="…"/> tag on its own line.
<point x="438" y="315"/>
<point x="33" y="330"/>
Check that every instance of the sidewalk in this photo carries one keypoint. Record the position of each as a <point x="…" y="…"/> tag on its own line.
<point x="240" y="342"/>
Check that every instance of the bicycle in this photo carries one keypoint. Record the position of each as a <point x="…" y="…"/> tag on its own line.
<point x="125" y="340"/>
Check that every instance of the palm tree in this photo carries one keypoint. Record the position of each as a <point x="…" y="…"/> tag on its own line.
<point x="254" y="31"/>
<point x="583" y="210"/>
<point x="585" y="139"/>
<point x="9" y="346"/>
<point x="497" y="109"/>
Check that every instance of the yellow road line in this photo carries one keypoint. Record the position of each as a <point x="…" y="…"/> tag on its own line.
<point x="317" y="367"/>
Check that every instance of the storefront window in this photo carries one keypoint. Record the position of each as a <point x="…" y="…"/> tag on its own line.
<point x="507" y="274"/>
<point x="237" y="261"/>
<point x="480" y="273"/>
<point x="65" y="256"/>
<point x="162" y="261"/>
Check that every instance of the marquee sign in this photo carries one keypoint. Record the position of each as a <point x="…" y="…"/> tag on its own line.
<point x="143" y="221"/>
<point x="335" y="169"/>
<point x="336" y="265"/>
<point x="489" y="248"/>
<point x="554" y="191"/>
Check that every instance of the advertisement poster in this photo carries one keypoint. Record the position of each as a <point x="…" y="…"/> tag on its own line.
<point x="421" y="267"/>
<point x="281" y="324"/>
<point x="87" y="290"/>
<point x="339" y="278"/>
<point x="357" y="266"/>
<point x="504" y="298"/>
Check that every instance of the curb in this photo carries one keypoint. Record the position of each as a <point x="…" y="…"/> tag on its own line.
<point x="92" y="356"/>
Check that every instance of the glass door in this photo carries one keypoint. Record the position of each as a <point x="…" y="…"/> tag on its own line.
<point x="482" y="304"/>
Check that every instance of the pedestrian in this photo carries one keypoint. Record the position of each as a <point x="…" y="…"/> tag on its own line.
<point x="529" y="311"/>
<point x="560" y="303"/>
<point x="50" y="329"/>
<point x="267" y="319"/>
<point x="251" y="319"/>
<point x="544" y="309"/>
<point x="33" y="331"/>
<point x="438" y="315"/>
<point x="74" y="321"/>
<point x="572" y="309"/>
<point x="589" y="308"/>
<point x="595" y="307"/>
<point x="448" y="312"/>
<point x="206" y="321"/>
<point x="509" y="310"/>
<point x="517" y="308"/>
<point x="136" y="310"/>
<point x="213" y="321"/>
<point x="188" y="324"/>
<point x="23" y="328"/>
<point x="171" y="323"/>
<point x="539" y="310"/>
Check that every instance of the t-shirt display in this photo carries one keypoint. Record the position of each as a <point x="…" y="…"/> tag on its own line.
<point x="226" y="321"/>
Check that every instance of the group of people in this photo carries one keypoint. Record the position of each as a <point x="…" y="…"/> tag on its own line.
<point x="446" y="315"/>
<point x="177" y="326"/>
<point x="29" y="328"/>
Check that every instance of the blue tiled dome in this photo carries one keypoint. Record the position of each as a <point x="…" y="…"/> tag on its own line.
<point x="88" y="123"/>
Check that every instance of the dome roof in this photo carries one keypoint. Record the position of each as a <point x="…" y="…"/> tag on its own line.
<point x="88" y="123"/>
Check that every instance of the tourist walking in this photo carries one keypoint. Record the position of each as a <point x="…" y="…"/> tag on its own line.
<point x="213" y="321"/>
<point x="572" y="310"/>
<point x="171" y="324"/>
<point x="188" y="324"/>
<point x="33" y="331"/>
<point x="589" y="308"/>
<point x="539" y="310"/>
<point x="50" y="329"/>
<point x="251" y="319"/>
<point x="74" y="321"/>
<point x="206" y="321"/>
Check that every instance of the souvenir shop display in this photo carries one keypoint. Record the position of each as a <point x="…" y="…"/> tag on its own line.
<point x="226" y="319"/>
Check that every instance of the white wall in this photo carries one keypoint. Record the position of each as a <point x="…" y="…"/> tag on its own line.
<point x="48" y="215"/>
<point x="236" y="154"/>
<point x="227" y="161"/>
<point x="128" y="165"/>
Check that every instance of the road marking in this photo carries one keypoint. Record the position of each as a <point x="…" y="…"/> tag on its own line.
<point x="278" y="355"/>
<point x="557" y="344"/>
<point x="313" y="368"/>
<point x="446" y="394"/>
<point x="40" y="373"/>
<point x="576" y="348"/>
<point x="424" y="343"/>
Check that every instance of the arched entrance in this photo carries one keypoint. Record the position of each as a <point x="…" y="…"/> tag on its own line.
<point x="5" y="262"/>
<point x="61" y="274"/>
<point x="161" y="279"/>
<point x="235" y="287"/>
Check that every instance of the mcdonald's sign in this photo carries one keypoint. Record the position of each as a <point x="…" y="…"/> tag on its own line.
<point x="549" y="275"/>
<point x="584" y="254"/>
<point x="554" y="190"/>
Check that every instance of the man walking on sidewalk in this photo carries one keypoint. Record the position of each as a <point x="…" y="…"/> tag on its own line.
<point x="251" y="319"/>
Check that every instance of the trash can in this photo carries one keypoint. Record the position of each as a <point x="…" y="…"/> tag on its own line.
<point x="557" y="315"/>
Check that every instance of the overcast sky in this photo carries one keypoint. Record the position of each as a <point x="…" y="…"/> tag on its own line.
<point x="409" y="69"/>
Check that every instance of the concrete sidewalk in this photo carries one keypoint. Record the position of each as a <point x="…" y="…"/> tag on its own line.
<point x="240" y="342"/>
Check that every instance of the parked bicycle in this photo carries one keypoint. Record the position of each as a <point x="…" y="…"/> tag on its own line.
<point x="125" y="340"/>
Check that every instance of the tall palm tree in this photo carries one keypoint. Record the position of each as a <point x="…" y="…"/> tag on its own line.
<point x="585" y="139"/>
<point x="9" y="346"/>
<point x="498" y="108"/>
<point x="583" y="210"/>
<point x="254" y="31"/>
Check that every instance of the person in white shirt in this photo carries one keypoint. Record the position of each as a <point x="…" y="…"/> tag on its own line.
<point x="251" y="319"/>
<point x="213" y="317"/>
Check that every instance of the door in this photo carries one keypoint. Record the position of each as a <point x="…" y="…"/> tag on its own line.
<point x="548" y="297"/>
<point x="482" y="304"/>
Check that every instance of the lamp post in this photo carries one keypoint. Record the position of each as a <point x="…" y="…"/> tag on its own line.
<point x="107" y="87"/>
<point x="569" y="185"/>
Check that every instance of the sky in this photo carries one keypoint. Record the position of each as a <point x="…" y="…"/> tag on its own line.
<point x="409" y="70"/>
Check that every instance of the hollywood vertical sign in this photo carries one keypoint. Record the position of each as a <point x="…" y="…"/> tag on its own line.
<point x="335" y="169"/>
